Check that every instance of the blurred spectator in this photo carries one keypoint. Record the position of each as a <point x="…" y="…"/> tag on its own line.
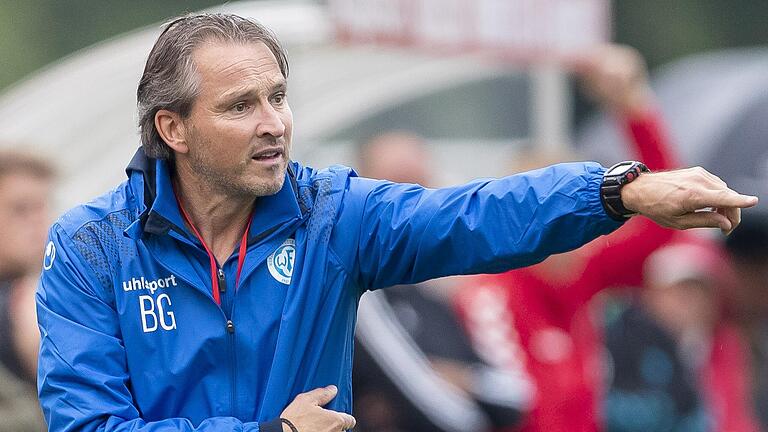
<point x="414" y="367"/>
<point x="747" y="303"/>
<point x="397" y="156"/>
<point x="677" y="364"/>
<point x="546" y="325"/>
<point x="25" y="183"/>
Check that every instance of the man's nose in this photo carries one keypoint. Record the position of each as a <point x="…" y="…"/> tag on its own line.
<point x="269" y="122"/>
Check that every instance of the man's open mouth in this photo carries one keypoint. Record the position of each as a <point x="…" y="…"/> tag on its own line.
<point x="268" y="155"/>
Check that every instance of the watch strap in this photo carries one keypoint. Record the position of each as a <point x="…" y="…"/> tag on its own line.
<point x="610" y="189"/>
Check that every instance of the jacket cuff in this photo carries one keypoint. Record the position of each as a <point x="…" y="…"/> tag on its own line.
<point x="594" y="203"/>
<point x="271" y="426"/>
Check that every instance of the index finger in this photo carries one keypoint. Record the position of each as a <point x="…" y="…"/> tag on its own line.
<point x="724" y="198"/>
<point x="321" y="396"/>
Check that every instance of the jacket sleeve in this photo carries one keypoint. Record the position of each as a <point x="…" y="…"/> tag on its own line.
<point x="407" y="233"/>
<point x="83" y="380"/>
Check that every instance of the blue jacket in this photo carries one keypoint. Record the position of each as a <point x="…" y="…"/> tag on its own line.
<point x="132" y="339"/>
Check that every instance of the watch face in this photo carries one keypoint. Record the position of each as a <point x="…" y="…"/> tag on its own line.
<point x="619" y="169"/>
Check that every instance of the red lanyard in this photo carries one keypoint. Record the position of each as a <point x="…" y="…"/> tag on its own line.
<point x="214" y="267"/>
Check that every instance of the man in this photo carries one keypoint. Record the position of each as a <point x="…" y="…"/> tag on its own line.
<point x="25" y="184"/>
<point x="150" y="321"/>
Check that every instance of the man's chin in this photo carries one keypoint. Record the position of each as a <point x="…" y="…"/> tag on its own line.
<point x="268" y="187"/>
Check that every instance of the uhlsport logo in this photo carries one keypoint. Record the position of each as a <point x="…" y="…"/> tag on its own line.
<point x="280" y="263"/>
<point x="136" y="284"/>
<point x="50" y="255"/>
<point x="155" y="311"/>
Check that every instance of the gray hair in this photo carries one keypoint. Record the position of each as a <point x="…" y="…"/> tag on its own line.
<point x="170" y="81"/>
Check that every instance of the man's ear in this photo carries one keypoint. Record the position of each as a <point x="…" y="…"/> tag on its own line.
<point x="172" y="130"/>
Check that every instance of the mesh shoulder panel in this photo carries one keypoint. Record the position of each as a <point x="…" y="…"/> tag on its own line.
<point x="323" y="210"/>
<point x="104" y="246"/>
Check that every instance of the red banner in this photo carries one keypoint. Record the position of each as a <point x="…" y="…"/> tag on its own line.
<point x="523" y="30"/>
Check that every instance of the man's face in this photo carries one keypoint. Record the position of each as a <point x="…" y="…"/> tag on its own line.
<point x="24" y="219"/>
<point x="239" y="128"/>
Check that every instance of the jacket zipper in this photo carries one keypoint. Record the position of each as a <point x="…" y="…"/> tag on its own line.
<point x="230" y="328"/>
<point x="230" y="325"/>
<point x="222" y="281"/>
<point x="231" y="343"/>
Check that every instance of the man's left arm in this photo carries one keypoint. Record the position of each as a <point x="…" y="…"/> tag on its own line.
<point x="407" y="233"/>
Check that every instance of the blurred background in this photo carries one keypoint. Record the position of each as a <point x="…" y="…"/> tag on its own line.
<point x="473" y="89"/>
<point x="54" y="53"/>
<point x="37" y="32"/>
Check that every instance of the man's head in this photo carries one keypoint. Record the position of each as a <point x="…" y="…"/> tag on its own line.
<point x="212" y="100"/>
<point x="25" y="184"/>
<point x="396" y="156"/>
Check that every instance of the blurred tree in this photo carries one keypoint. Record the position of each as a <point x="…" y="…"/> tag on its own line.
<point x="664" y="30"/>
<point x="36" y="32"/>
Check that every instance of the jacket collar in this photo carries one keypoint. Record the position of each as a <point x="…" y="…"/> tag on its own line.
<point x="159" y="213"/>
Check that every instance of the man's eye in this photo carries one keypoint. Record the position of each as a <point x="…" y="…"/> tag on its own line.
<point x="279" y="98"/>
<point x="240" y="107"/>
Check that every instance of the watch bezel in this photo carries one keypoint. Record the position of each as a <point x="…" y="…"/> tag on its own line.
<point x="610" y="189"/>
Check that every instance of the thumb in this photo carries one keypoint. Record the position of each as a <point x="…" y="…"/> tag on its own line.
<point x="705" y="219"/>
<point x="321" y="396"/>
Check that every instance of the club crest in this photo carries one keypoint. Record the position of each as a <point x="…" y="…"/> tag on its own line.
<point x="280" y="263"/>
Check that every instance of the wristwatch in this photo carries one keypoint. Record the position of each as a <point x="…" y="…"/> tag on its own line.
<point x="610" y="190"/>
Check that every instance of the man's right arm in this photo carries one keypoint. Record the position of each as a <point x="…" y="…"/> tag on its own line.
<point x="83" y="375"/>
<point x="83" y="378"/>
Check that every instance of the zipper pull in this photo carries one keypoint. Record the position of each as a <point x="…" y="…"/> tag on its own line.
<point x="230" y="327"/>
<point x="222" y="281"/>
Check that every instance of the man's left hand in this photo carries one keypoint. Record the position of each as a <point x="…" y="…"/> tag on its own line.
<point x="686" y="198"/>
